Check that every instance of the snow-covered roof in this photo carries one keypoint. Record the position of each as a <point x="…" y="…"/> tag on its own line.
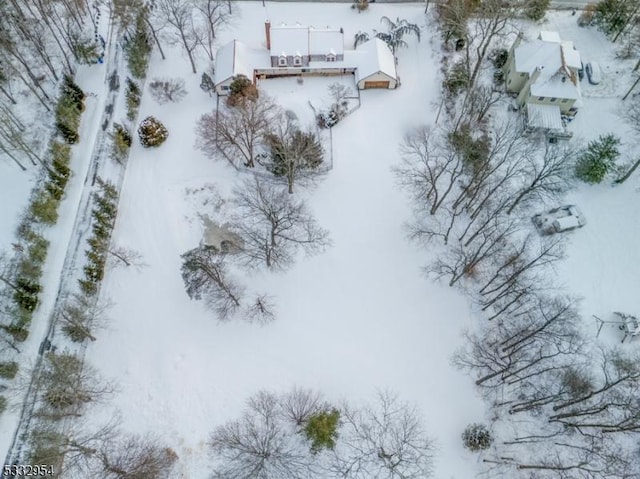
<point x="374" y="56"/>
<point x="326" y="40"/>
<point x="548" y="36"/>
<point x="551" y="55"/>
<point x="231" y="60"/>
<point x="557" y="85"/>
<point x="289" y="39"/>
<point x="554" y="63"/>
<point x="544" y="116"/>
<point x="236" y="58"/>
<point x="571" y="55"/>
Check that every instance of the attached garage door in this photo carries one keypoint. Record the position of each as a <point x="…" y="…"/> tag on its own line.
<point x="376" y="84"/>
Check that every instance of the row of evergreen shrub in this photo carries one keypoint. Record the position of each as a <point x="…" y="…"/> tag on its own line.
<point x="43" y="210"/>
<point x="69" y="109"/>
<point x="104" y="217"/>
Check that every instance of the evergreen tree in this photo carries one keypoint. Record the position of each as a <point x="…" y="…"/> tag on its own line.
<point x="133" y="99"/>
<point x="322" y="429"/>
<point x="598" y="159"/>
<point x="138" y="48"/>
<point x="152" y="133"/>
<point x="206" y="83"/>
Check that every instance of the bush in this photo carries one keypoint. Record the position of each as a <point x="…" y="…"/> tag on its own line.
<point x="457" y="79"/>
<point x="133" y="99"/>
<point x="152" y="133"/>
<point x="121" y="142"/>
<point x="3" y="404"/>
<point x="322" y="429"/>
<point x="8" y="370"/>
<point x="26" y="294"/>
<point x="536" y="9"/>
<point x="476" y="437"/>
<point x="598" y="159"/>
<point x="18" y="333"/>
<point x="586" y="17"/>
<point x="44" y="207"/>
<point x="360" y="5"/>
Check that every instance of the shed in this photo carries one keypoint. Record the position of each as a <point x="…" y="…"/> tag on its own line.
<point x="376" y="65"/>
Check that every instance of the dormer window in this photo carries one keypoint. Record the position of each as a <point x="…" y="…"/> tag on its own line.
<point x="331" y="57"/>
<point x="282" y="60"/>
<point x="297" y="60"/>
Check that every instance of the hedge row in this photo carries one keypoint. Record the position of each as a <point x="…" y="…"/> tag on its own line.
<point x="104" y="217"/>
<point x="69" y="109"/>
<point x="43" y="210"/>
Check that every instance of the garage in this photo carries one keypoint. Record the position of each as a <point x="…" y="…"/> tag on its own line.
<point x="376" y="84"/>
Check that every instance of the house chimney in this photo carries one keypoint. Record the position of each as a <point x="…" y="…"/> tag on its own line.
<point x="267" y="32"/>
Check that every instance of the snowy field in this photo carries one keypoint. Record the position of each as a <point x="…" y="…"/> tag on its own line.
<point x="358" y="318"/>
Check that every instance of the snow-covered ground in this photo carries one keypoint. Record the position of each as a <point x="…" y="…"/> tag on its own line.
<point x="357" y="318"/>
<point x="601" y="257"/>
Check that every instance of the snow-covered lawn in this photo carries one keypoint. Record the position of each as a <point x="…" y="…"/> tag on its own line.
<point x="357" y="318"/>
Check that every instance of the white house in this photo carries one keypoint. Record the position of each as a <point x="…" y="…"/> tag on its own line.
<point x="545" y="72"/>
<point x="296" y="50"/>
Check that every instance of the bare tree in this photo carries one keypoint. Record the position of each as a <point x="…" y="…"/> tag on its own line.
<point x="545" y="177"/>
<point x="260" y="445"/>
<point x="135" y="457"/>
<point x="179" y="14"/>
<point x="68" y="385"/>
<point x="237" y="132"/>
<point x="261" y="310"/>
<point x="164" y="90"/>
<point x="205" y="276"/>
<point x="80" y="317"/>
<point x="429" y="170"/>
<point x="295" y="155"/>
<point x="274" y="226"/>
<point x="453" y="17"/>
<point x="492" y="20"/>
<point x="216" y="13"/>
<point x="300" y="404"/>
<point x="126" y="256"/>
<point x="384" y="440"/>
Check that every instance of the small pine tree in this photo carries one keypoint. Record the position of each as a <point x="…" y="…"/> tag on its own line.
<point x="598" y="159"/>
<point x="240" y="89"/>
<point x="322" y="430"/>
<point x="152" y="133"/>
<point x="477" y="437"/>
<point x="138" y="48"/>
<point x="8" y="370"/>
<point x="206" y="83"/>
<point x="121" y="142"/>
<point x="133" y="99"/>
<point x="26" y="294"/>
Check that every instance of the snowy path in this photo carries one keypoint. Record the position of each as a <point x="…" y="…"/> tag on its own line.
<point x="66" y="239"/>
